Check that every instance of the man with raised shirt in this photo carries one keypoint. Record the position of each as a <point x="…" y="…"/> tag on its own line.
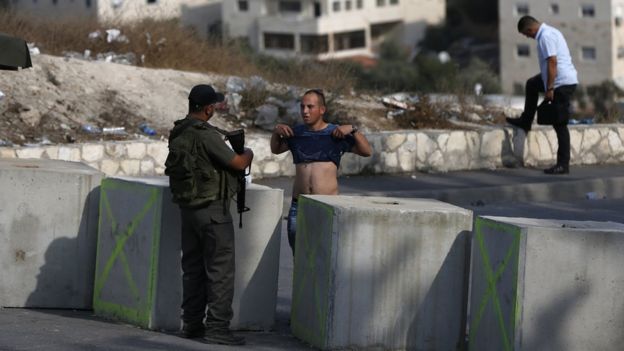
<point x="316" y="147"/>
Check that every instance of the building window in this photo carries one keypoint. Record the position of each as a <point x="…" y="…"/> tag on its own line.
<point x="279" y="41"/>
<point x="381" y="3"/>
<point x="620" y="52"/>
<point x="317" y="9"/>
<point x="336" y="6"/>
<point x="522" y="9"/>
<point x="359" y="4"/>
<point x="523" y="50"/>
<point x="289" y="6"/>
<point x="588" y="10"/>
<point x="151" y="1"/>
<point x="554" y="9"/>
<point x="349" y="40"/>
<point x="394" y="2"/>
<point x="588" y="53"/>
<point x="243" y="5"/>
<point x="314" y="44"/>
<point x="378" y="30"/>
<point x="347" y="5"/>
<point x="88" y="3"/>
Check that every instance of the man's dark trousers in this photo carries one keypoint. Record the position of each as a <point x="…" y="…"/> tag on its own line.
<point x="562" y="98"/>
<point x="207" y="265"/>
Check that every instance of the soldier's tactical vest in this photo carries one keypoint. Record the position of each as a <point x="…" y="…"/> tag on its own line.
<point x="193" y="179"/>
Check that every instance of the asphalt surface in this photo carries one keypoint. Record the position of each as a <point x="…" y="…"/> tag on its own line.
<point x="588" y="193"/>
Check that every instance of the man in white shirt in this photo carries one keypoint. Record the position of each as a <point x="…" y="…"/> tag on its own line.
<point x="557" y="80"/>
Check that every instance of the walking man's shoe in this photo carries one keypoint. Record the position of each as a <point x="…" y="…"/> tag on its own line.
<point x="223" y="337"/>
<point x="557" y="169"/>
<point x="520" y="123"/>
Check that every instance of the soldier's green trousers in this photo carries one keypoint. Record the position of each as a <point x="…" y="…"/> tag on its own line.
<point x="207" y="265"/>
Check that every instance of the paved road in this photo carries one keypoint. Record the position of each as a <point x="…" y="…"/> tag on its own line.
<point x="589" y="193"/>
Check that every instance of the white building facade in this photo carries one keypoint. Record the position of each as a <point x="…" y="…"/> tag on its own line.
<point x="328" y="28"/>
<point x="204" y="15"/>
<point x="594" y="30"/>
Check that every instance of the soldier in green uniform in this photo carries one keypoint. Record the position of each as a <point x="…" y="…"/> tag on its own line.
<point x="202" y="177"/>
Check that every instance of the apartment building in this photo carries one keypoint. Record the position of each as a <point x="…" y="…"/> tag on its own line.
<point x="328" y="28"/>
<point x="204" y="15"/>
<point x="594" y="30"/>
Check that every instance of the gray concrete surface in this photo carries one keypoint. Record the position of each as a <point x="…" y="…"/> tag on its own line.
<point x="48" y="229"/>
<point x="377" y="273"/>
<point x="71" y="330"/>
<point x="525" y="192"/>
<point x="541" y="284"/>
<point x="138" y="274"/>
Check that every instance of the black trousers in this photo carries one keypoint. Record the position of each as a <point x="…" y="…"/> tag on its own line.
<point x="562" y="97"/>
<point x="207" y="265"/>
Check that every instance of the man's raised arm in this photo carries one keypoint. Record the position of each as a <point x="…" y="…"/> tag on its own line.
<point x="278" y="139"/>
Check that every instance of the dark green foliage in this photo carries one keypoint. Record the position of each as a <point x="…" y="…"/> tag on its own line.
<point x="603" y="97"/>
<point x="391" y="51"/>
<point x="439" y="38"/>
<point x="478" y="72"/>
<point x="390" y="76"/>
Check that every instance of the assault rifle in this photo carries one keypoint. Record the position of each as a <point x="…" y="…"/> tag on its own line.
<point x="237" y="141"/>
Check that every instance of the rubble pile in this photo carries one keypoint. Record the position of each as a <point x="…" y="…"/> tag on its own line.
<point x="79" y="97"/>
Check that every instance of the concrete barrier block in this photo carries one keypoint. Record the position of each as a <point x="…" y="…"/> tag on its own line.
<point x="48" y="230"/>
<point x="380" y="273"/>
<point x="138" y="274"/>
<point x="546" y="285"/>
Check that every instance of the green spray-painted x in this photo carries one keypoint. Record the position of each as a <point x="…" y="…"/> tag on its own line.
<point x="121" y="236"/>
<point x="492" y="278"/>
<point x="308" y="253"/>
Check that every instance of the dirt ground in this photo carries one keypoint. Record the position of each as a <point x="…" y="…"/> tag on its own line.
<point x="59" y="99"/>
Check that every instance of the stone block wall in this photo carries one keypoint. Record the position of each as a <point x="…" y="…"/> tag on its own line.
<point x="393" y="151"/>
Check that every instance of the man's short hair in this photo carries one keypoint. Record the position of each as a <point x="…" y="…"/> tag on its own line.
<point x="319" y="94"/>
<point x="525" y="22"/>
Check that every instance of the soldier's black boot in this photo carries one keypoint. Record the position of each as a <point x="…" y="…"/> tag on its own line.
<point x="193" y="330"/>
<point x="223" y="336"/>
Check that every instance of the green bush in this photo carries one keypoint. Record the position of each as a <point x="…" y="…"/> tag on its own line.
<point x="604" y="97"/>
<point x="478" y="72"/>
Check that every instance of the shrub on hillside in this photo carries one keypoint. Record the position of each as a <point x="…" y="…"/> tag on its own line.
<point x="479" y="72"/>
<point x="166" y="44"/>
<point x="604" y="98"/>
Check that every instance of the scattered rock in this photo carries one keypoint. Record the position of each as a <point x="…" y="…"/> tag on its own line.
<point x="257" y="82"/>
<point x="292" y="113"/>
<point x="267" y="116"/>
<point x="473" y="117"/>
<point x="235" y="85"/>
<point x="233" y="102"/>
<point x="30" y="116"/>
<point x="58" y="95"/>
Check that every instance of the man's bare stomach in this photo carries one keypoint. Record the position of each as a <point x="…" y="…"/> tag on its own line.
<point x="319" y="178"/>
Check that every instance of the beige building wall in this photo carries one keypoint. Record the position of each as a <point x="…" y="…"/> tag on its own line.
<point x="60" y="9"/>
<point x="264" y="17"/>
<point x="593" y="40"/>
<point x="617" y="53"/>
<point x="128" y="10"/>
<point x="203" y="15"/>
<point x="238" y="24"/>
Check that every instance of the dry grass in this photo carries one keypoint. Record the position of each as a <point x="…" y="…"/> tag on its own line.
<point x="165" y="44"/>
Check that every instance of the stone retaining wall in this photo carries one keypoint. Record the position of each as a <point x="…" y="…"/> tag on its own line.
<point x="394" y="152"/>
